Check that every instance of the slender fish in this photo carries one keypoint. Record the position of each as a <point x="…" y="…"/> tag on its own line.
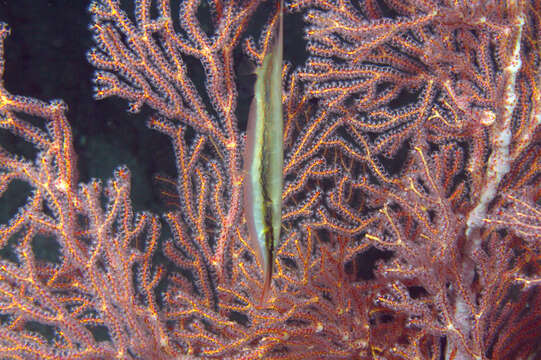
<point x="265" y="157"/>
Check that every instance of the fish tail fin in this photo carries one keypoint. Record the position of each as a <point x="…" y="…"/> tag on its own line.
<point x="267" y="280"/>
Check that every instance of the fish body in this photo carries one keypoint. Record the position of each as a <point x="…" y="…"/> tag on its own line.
<point x="265" y="157"/>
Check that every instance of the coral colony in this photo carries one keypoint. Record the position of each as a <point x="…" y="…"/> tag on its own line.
<point x="410" y="189"/>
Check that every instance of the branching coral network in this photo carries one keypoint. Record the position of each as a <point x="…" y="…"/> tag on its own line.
<point x="411" y="216"/>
